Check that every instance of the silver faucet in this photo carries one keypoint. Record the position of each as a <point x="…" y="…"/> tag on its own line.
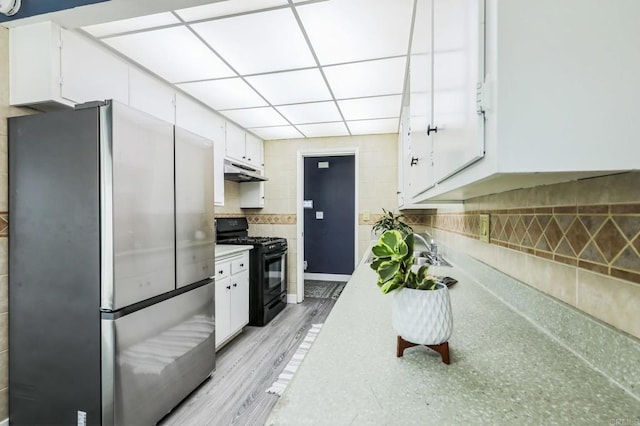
<point x="432" y="247"/>
<point x="421" y="238"/>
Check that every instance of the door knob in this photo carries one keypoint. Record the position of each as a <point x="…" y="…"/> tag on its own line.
<point x="414" y="161"/>
<point x="431" y="129"/>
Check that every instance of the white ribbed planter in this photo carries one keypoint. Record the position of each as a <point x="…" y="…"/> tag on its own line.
<point x="423" y="317"/>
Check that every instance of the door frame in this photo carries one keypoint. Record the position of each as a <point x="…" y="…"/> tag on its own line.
<point x="300" y="211"/>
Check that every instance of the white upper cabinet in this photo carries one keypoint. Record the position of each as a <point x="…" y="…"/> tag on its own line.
<point x="559" y="95"/>
<point x="403" y="153"/>
<point x="195" y="117"/>
<point x="218" y="169"/>
<point x="89" y="73"/>
<point x="235" y="143"/>
<point x="243" y="147"/>
<point x="446" y="65"/>
<point x="254" y="150"/>
<point x="192" y="116"/>
<point x="34" y="65"/>
<point x="151" y="95"/>
<point x="51" y="67"/>
<point x="458" y="67"/>
<point x="419" y="159"/>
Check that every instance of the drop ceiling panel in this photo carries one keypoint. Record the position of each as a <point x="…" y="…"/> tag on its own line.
<point x="278" y="132"/>
<point x="370" y="127"/>
<point x="316" y="112"/>
<point x="368" y="108"/>
<point x="175" y="54"/>
<point x="361" y="47"/>
<point x="351" y="30"/>
<point x="371" y="78"/>
<point x="132" y="24"/>
<point x="259" y="42"/>
<point x="323" y="129"/>
<point x="223" y="8"/>
<point x="224" y="94"/>
<point x="291" y="86"/>
<point x="256" y="117"/>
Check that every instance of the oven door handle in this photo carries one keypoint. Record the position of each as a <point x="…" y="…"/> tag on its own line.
<point x="271" y="256"/>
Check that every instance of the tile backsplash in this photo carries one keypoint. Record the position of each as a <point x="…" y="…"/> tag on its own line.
<point x="577" y="241"/>
<point x="600" y="238"/>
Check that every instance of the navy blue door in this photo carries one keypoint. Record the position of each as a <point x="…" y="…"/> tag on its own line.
<point x="329" y="225"/>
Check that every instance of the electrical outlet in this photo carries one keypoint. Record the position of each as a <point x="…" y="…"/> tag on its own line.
<point x="366" y="215"/>
<point x="484" y="227"/>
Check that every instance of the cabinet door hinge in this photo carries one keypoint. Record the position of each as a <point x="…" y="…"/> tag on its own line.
<point x="483" y="97"/>
<point x="480" y="107"/>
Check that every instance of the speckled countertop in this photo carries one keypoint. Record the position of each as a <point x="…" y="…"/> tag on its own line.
<point x="224" y="250"/>
<point x="504" y="370"/>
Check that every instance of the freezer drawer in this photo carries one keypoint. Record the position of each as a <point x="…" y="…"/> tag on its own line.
<point x="153" y="358"/>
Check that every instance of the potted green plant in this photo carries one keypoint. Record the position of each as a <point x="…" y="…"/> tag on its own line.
<point x="421" y="310"/>
<point x="390" y="221"/>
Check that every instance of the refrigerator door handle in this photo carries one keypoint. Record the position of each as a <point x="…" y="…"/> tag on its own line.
<point x="106" y="207"/>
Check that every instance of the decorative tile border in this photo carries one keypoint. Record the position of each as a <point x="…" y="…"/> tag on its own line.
<point x="409" y="219"/>
<point x="4" y="224"/>
<point x="290" y="218"/>
<point x="600" y="238"/>
<point x="272" y="219"/>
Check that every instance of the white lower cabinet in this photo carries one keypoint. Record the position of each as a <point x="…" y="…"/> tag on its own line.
<point x="232" y="296"/>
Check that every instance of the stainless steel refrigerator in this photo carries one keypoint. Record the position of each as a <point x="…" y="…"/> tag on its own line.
<point x="111" y="254"/>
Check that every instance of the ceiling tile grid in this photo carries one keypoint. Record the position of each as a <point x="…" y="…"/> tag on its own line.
<point x="281" y="69"/>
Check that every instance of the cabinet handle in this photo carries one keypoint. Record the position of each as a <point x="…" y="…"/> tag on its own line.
<point x="248" y="159"/>
<point x="235" y="285"/>
<point x="242" y="265"/>
<point x="431" y="129"/>
<point x="228" y="287"/>
<point x="414" y="161"/>
<point x="221" y="272"/>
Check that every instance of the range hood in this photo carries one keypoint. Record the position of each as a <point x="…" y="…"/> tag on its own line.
<point x="240" y="173"/>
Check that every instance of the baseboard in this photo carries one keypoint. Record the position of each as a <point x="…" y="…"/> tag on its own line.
<point x="291" y="298"/>
<point x="326" y="277"/>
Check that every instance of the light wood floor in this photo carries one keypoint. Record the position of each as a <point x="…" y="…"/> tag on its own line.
<point x="246" y="367"/>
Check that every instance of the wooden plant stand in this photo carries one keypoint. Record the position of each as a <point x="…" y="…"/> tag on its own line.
<point x="442" y="349"/>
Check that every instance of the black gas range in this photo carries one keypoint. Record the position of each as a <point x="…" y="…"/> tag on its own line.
<point x="267" y="268"/>
<point x="268" y="243"/>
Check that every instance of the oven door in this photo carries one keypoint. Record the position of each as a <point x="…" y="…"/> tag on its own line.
<point x="275" y="275"/>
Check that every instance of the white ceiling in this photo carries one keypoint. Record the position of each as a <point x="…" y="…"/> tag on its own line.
<point x="280" y="68"/>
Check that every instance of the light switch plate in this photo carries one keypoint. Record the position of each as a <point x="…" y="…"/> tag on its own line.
<point x="484" y="227"/>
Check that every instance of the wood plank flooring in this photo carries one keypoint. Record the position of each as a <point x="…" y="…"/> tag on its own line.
<point x="246" y="367"/>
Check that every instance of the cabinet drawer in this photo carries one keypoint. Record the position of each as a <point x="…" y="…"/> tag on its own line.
<point x="223" y="270"/>
<point x="239" y="264"/>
